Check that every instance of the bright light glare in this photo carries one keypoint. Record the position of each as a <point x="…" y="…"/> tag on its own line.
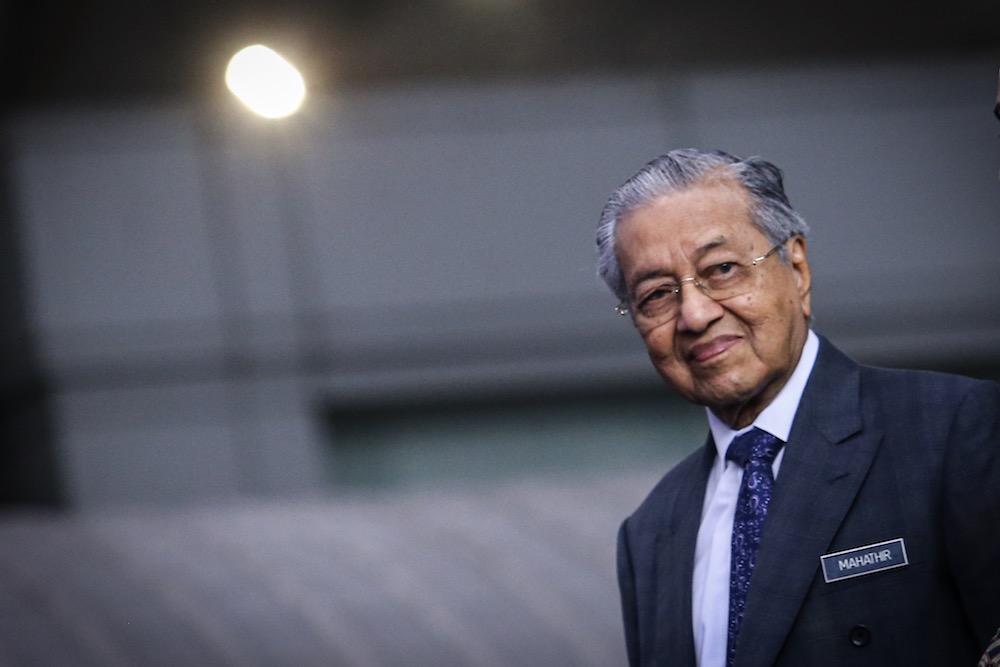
<point x="264" y="81"/>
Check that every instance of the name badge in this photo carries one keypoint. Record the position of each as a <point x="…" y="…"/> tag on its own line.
<point x="864" y="560"/>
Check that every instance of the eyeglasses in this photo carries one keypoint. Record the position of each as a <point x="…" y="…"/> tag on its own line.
<point x="661" y="302"/>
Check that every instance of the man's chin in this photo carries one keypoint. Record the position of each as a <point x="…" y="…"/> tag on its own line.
<point x="723" y="397"/>
<point x="723" y="387"/>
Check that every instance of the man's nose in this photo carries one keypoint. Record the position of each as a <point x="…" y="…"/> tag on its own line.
<point x="697" y="309"/>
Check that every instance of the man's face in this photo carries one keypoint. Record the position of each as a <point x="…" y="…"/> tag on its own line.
<point x="732" y="355"/>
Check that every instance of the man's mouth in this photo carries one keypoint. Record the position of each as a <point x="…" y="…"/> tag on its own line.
<point x="704" y="352"/>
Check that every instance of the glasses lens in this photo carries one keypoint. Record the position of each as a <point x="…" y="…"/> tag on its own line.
<point x="728" y="280"/>
<point x="659" y="304"/>
<point x="719" y="282"/>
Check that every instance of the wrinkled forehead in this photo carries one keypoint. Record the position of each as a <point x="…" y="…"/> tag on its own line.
<point x="680" y="229"/>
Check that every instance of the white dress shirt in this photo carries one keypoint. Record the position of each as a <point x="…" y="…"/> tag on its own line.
<point x="710" y="597"/>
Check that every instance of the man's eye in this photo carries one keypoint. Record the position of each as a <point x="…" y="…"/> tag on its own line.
<point x="655" y="295"/>
<point x="722" y="275"/>
<point x="723" y="269"/>
<point x="659" y="294"/>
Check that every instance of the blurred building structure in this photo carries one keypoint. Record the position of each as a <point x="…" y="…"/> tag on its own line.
<point x="196" y="303"/>
<point x="207" y="293"/>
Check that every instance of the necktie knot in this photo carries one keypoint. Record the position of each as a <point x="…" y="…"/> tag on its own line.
<point x="754" y="445"/>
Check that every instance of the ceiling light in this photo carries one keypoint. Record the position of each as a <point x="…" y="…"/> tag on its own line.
<point x="264" y="81"/>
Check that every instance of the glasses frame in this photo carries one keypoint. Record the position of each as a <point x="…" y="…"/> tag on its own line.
<point x="623" y="308"/>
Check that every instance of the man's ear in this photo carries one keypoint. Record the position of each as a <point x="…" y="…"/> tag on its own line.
<point x="798" y="258"/>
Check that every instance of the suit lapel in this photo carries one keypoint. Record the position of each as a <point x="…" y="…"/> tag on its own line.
<point x="675" y="565"/>
<point x="827" y="458"/>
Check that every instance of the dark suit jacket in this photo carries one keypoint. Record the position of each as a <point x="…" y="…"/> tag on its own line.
<point x="873" y="455"/>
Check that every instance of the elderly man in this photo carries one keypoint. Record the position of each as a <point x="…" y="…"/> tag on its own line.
<point x="837" y="514"/>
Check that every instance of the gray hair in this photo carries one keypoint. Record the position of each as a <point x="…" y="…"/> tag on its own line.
<point x="770" y="210"/>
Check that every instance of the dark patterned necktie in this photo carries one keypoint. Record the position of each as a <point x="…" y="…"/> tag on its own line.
<point x="754" y="451"/>
<point x="991" y="657"/>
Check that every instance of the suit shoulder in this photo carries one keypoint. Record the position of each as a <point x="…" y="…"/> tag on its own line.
<point x="927" y="406"/>
<point x="926" y="388"/>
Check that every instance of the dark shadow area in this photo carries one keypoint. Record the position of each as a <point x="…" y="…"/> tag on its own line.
<point x="58" y="52"/>
<point x="29" y="472"/>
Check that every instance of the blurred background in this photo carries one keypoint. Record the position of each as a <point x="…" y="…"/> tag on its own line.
<point x="343" y="388"/>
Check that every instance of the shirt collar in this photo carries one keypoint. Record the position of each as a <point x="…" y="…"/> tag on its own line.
<point x="777" y="417"/>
